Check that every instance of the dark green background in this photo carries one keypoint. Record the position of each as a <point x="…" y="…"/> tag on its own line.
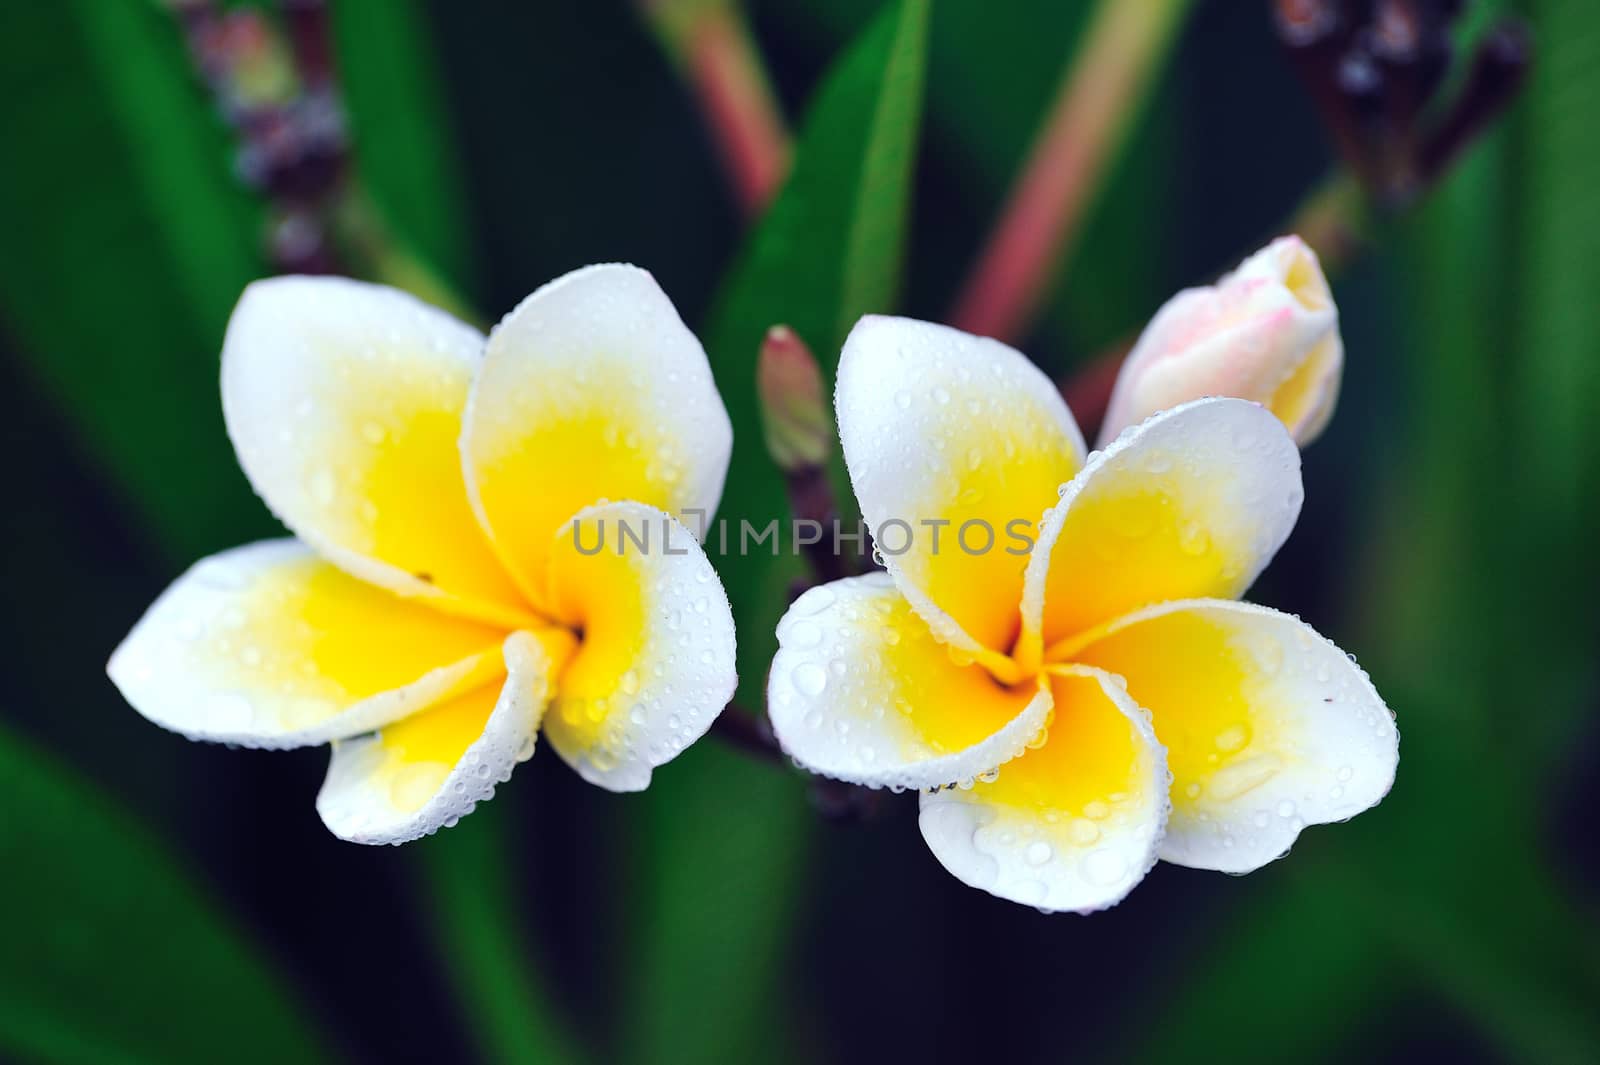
<point x="171" y="902"/>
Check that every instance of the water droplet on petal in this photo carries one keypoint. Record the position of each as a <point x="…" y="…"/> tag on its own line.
<point x="323" y="488"/>
<point x="1105" y="866"/>
<point x="809" y="678"/>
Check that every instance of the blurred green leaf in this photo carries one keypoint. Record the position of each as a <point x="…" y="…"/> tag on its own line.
<point x="485" y="945"/>
<point x="400" y="127"/>
<point x="725" y="839"/>
<point x="1441" y="629"/>
<point x="1292" y="975"/>
<point x="197" y="991"/>
<point x="1555" y="375"/>
<point x="124" y="299"/>
<point x="125" y="295"/>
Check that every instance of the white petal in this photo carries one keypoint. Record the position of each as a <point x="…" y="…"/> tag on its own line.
<point x="1269" y="727"/>
<point x="655" y="665"/>
<point x="1191" y="503"/>
<point x="268" y="646"/>
<point x="431" y="770"/>
<point x="591" y="390"/>
<point x="344" y="402"/>
<point x="939" y="426"/>
<point x="1071" y="825"/>
<point x="861" y="690"/>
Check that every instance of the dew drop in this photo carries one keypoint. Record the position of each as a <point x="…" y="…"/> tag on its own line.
<point x="809" y="678"/>
<point x="1082" y="831"/>
<point x="1232" y="781"/>
<point x="415" y="784"/>
<point x="804" y="634"/>
<point x="1193" y="539"/>
<point x="323" y="487"/>
<point x="815" y="601"/>
<point x="1232" y="739"/>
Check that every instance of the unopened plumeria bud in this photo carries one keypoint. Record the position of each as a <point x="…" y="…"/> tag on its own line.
<point x="1267" y="332"/>
<point x="793" y="410"/>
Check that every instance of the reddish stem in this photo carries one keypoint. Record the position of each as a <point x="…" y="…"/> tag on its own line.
<point x="1092" y="110"/>
<point x="713" y="47"/>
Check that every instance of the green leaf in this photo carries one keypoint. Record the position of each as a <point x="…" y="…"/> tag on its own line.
<point x="484" y="945"/>
<point x="1555" y="373"/>
<point x="1446" y="638"/>
<point x="1297" y="976"/>
<point x="400" y="130"/>
<point x="723" y="841"/>
<point x="140" y="968"/>
<point x="122" y="300"/>
<point x="124" y="293"/>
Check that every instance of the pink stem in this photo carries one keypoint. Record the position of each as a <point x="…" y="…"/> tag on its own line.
<point x="1092" y="111"/>
<point x="719" y="58"/>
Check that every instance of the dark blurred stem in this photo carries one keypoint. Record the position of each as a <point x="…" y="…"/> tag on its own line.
<point x="811" y="499"/>
<point x="1498" y="71"/>
<point x="834" y="800"/>
<point x="311" y="39"/>
<point x="748" y="732"/>
<point x="1344" y="85"/>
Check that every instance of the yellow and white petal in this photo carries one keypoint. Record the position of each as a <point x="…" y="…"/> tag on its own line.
<point x="344" y="400"/>
<point x="593" y="389"/>
<point x="1071" y="825"/>
<point x="269" y="646"/>
<point x="655" y="662"/>
<point x="861" y="690"/>
<point x="1191" y="503"/>
<point x="957" y="437"/>
<point x="1268" y="726"/>
<point x="429" y="770"/>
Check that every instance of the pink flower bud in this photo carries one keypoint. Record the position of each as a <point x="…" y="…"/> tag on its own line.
<point x="794" y="411"/>
<point x="1267" y="332"/>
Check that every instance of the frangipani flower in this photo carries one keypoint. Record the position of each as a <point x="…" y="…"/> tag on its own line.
<point x="435" y="600"/>
<point x="1268" y="332"/>
<point x="1110" y="657"/>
